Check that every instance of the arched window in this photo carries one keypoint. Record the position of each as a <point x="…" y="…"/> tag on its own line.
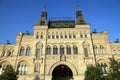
<point x="48" y="36"/>
<point x="5" y="53"/>
<point x="86" y="52"/>
<point x="36" y="78"/>
<point x="37" y="52"/>
<point x="85" y="35"/>
<point x="55" y="50"/>
<point x="61" y="50"/>
<point x="36" y="67"/>
<point x="68" y="50"/>
<point x="105" y="68"/>
<point x="102" y="67"/>
<point x="95" y="50"/>
<point x="75" y="50"/>
<point x="74" y="36"/>
<point x="81" y="36"/>
<point x="28" y="50"/>
<point x="102" y="51"/>
<point x="37" y="36"/>
<point x="9" y="53"/>
<point x="21" y="51"/>
<point x="48" y="50"/>
<point x="22" y="68"/>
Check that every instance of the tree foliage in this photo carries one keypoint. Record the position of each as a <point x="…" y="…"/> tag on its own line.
<point x="93" y="73"/>
<point x="114" y="70"/>
<point x="8" y="73"/>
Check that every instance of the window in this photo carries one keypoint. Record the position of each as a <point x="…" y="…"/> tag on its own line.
<point x="48" y="50"/>
<point x="9" y="53"/>
<point x="28" y="51"/>
<point x="95" y="50"/>
<point x="103" y="67"/>
<point x="65" y="36"/>
<point x="55" y="50"/>
<point x="37" y="78"/>
<point x="21" y="51"/>
<point x="81" y="36"/>
<point x="53" y="36"/>
<point x="22" y="69"/>
<point x="61" y="36"/>
<point x="37" y="37"/>
<point x="74" y="36"/>
<point x="36" y="68"/>
<point x="102" y="51"/>
<point x="85" y="35"/>
<point x="41" y="36"/>
<point x="37" y="52"/>
<point x="75" y="50"/>
<point x="5" y="53"/>
<point x="86" y="52"/>
<point x="57" y="36"/>
<point x="68" y="50"/>
<point x="70" y="36"/>
<point x="61" y="50"/>
<point x="48" y="36"/>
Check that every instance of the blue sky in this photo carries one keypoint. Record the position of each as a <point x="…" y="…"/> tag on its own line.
<point x="21" y="15"/>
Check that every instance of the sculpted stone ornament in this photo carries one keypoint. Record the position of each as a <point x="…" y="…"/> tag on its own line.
<point x="62" y="58"/>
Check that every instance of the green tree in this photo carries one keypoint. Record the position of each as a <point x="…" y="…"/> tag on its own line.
<point x="93" y="73"/>
<point x="114" y="71"/>
<point x="8" y="73"/>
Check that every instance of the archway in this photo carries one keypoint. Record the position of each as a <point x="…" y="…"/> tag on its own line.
<point x="62" y="72"/>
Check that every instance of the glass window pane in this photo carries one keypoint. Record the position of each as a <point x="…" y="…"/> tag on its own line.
<point x="68" y="50"/>
<point x="61" y="50"/>
<point x="85" y="52"/>
<point x="38" y="52"/>
<point x="48" y="50"/>
<point x="75" y="50"/>
<point x="55" y="50"/>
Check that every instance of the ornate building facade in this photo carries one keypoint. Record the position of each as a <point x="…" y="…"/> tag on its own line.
<point x="59" y="49"/>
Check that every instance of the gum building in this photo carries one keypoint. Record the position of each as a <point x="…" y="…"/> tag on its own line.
<point x="59" y="49"/>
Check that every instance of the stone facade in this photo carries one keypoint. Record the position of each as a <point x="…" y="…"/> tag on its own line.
<point x="62" y="51"/>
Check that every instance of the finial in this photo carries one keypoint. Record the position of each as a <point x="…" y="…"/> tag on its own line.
<point x="78" y="8"/>
<point x="44" y="9"/>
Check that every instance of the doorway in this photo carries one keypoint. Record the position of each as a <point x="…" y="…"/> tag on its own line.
<point x="62" y="72"/>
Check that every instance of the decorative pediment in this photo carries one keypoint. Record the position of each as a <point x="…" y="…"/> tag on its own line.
<point x="39" y="45"/>
<point x="85" y="43"/>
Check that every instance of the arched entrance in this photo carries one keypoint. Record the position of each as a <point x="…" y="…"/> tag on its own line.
<point x="62" y="72"/>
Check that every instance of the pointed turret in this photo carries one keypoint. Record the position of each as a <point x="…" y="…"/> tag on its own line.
<point x="43" y="19"/>
<point x="79" y="17"/>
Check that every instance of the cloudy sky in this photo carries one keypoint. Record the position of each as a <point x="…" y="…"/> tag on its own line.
<point x="21" y="15"/>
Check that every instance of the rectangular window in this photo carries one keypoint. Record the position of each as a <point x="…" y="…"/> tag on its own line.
<point x="86" y="52"/>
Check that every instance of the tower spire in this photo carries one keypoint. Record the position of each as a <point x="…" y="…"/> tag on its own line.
<point x="79" y="17"/>
<point x="43" y="18"/>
